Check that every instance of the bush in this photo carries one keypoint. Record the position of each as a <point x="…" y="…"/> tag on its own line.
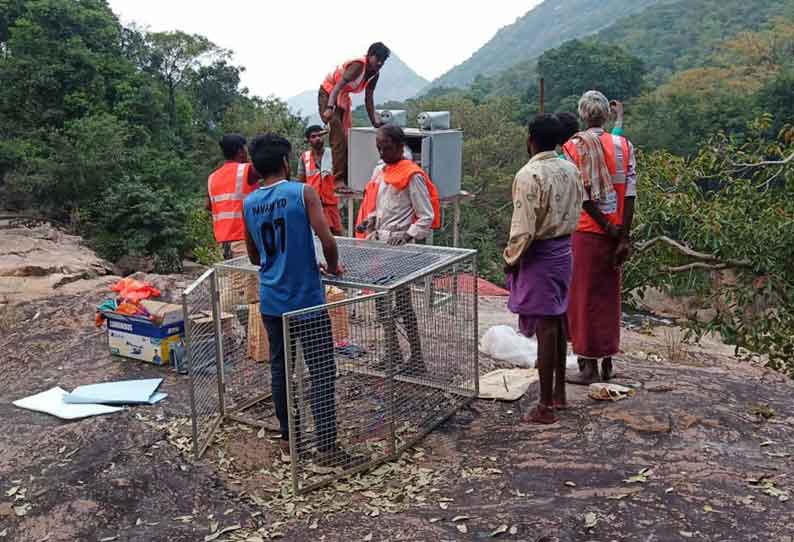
<point x="133" y="219"/>
<point x="200" y="237"/>
<point x="733" y="202"/>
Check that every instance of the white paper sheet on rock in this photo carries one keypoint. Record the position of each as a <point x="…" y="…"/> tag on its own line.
<point x="123" y="392"/>
<point x="52" y="402"/>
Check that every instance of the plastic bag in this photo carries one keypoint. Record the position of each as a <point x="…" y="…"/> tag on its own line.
<point x="505" y="344"/>
<point x="134" y="290"/>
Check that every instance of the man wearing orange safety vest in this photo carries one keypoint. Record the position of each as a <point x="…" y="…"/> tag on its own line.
<point x="315" y="169"/>
<point x="602" y="240"/>
<point x="336" y="108"/>
<point x="227" y="187"/>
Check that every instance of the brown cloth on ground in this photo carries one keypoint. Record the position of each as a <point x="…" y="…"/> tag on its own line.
<point x="594" y="310"/>
<point x="337" y="137"/>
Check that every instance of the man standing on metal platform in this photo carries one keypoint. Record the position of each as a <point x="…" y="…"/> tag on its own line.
<point x="315" y="167"/>
<point x="336" y="107"/>
<point x="406" y="209"/>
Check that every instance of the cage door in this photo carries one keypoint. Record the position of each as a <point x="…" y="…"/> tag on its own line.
<point x="204" y="358"/>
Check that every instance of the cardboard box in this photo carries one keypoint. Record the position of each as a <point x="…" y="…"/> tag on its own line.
<point x="163" y="314"/>
<point x="258" y="344"/>
<point x="139" y="338"/>
<point x="202" y="324"/>
<point x="340" y="322"/>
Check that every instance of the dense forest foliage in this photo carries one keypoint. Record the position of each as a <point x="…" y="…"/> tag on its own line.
<point x="112" y="132"/>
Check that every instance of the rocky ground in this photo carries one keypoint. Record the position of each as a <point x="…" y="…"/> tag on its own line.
<point x="703" y="451"/>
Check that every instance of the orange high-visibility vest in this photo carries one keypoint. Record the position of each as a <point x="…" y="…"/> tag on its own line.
<point x="227" y="187"/>
<point x="616" y="156"/>
<point x="322" y="184"/>
<point x="399" y="176"/>
<point x="353" y="87"/>
<point x="370" y="201"/>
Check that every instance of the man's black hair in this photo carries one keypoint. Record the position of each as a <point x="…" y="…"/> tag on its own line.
<point x="231" y="145"/>
<point x="570" y="125"/>
<point x="545" y="131"/>
<point x="393" y="132"/>
<point x="314" y="128"/>
<point x="268" y="152"/>
<point x="379" y="50"/>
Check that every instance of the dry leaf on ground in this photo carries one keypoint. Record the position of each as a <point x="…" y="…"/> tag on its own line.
<point x="500" y="530"/>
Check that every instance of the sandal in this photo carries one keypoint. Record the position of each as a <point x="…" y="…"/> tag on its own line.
<point x="540" y="414"/>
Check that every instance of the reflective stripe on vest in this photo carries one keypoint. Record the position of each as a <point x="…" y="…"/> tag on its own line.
<point x="308" y="163"/>
<point x="228" y="215"/>
<point x="619" y="176"/>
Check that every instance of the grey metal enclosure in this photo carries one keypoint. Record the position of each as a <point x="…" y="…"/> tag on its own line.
<point x="390" y="356"/>
<point x="439" y="152"/>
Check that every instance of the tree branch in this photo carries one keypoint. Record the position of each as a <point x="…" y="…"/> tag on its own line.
<point x="694" y="265"/>
<point x="766" y="163"/>
<point x="704" y="259"/>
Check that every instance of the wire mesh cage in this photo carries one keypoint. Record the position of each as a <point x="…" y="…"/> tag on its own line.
<point x="372" y="373"/>
<point x="390" y="356"/>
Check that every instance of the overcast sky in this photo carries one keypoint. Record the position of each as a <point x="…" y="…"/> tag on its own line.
<point x="287" y="47"/>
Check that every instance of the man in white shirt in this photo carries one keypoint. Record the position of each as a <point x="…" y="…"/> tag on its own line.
<point x="404" y="212"/>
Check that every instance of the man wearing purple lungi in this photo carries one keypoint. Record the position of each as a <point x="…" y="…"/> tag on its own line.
<point x="547" y="200"/>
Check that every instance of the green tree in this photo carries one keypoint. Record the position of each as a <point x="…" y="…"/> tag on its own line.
<point x="776" y="97"/>
<point x="718" y="226"/>
<point x="60" y="61"/>
<point x="175" y="57"/>
<point x="578" y="66"/>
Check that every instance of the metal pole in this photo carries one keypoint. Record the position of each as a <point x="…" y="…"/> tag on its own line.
<point x="351" y="203"/>
<point x="188" y="359"/>
<point x="456" y="222"/>
<point x="473" y="347"/>
<point x="542" y="93"/>
<point x="392" y="344"/>
<point x="293" y="432"/>
<point x="216" y="317"/>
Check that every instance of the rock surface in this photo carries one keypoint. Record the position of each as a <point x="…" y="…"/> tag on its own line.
<point x="42" y="261"/>
<point x="686" y="458"/>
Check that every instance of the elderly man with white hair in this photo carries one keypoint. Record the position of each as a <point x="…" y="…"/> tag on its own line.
<point x="602" y="241"/>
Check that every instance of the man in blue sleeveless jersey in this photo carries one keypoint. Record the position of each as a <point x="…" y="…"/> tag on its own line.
<point x="279" y="218"/>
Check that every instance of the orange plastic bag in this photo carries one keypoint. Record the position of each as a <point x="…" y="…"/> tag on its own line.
<point x="134" y="290"/>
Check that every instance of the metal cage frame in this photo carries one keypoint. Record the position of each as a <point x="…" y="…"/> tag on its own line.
<point x="412" y="268"/>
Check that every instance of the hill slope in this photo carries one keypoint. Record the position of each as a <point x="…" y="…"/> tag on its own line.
<point x="397" y="82"/>
<point x="544" y="27"/>
<point x="668" y="37"/>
